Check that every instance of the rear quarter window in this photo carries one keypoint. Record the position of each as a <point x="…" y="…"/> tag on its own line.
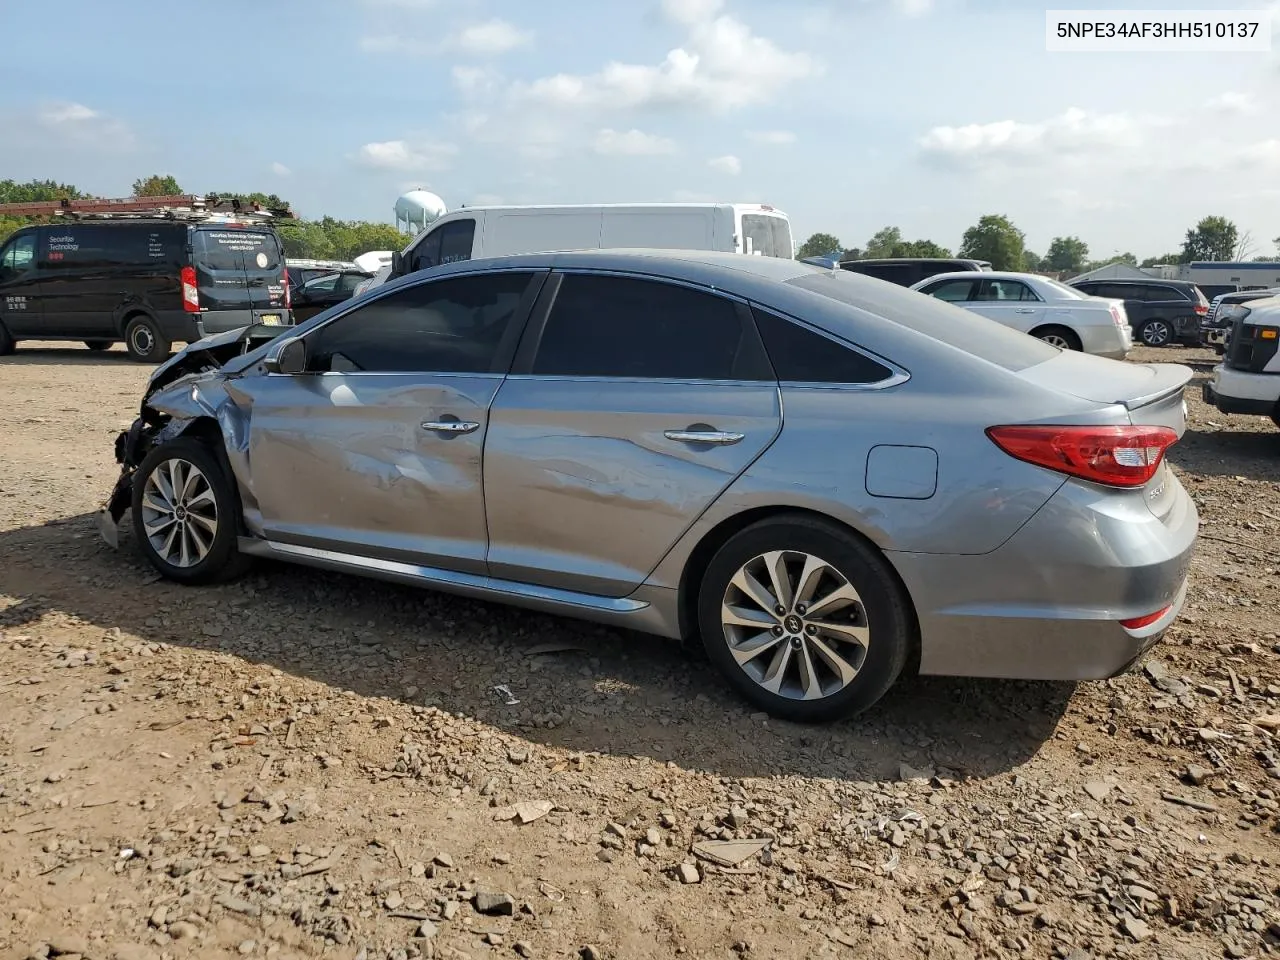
<point x="948" y="324"/>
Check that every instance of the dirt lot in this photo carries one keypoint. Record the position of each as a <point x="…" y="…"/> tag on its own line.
<point x="302" y="764"/>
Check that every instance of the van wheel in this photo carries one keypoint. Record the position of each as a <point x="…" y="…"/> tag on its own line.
<point x="6" y="342"/>
<point x="144" y="341"/>
<point x="97" y="346"/>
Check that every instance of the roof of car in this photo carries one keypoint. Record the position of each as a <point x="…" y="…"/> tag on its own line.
<point x="983" y="275"/>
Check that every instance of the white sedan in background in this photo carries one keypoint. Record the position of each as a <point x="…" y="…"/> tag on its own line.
<point x="1040" y="306"/>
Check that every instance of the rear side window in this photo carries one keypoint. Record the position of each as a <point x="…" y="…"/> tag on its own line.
<point x="800" y="355"/>
<point x="232" y="249"/>
<point x="1159" y="292"/>
<point x="899" y="273"/>
<point x="954" y="326"/>
<point x="625" y="327"/>
<point x="952" y="291"/>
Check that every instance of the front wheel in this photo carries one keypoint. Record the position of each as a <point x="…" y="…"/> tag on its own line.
<point x="806" y="621"/>
<point x="145" y="342"/>
<point x="7" y="343"/>
<point x="1155" y="333"/>
<point x="185" y="514"/>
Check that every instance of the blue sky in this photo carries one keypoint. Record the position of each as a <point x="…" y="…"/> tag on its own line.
<point x="848" y="114"/>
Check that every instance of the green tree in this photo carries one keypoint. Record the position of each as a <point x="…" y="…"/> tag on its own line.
<point x="1032" y="262"/>
<point x="1164" y="258"/>
<point x="996" y="239"/>
<point x="268" y="200"/>
<point x="34" y="191"/>
<point x="920" y="248"/>
<point x="1213" y="238"/>
<point x="819" y="245"/>
<point x="885" y="243"/>
<point x="1066" y="255"/>
<point x="157" y="185"/>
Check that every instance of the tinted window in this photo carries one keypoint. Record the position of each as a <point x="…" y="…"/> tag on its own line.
<point x="18" y="256"/>
<point x="1120" y="291"/>
<point x="449" y="326"/>
<point x="623" y="327"/>
<point x="948" y="324"/>
<point x="448" y="243"/>
<point x="899" y="273"/>
<point x="232" y="249"/>
<point x="77" y="244"/>
<point x="800" y="355"/>
<point x="953" y="291"/>
<point x="1006" y="290"/>
<point x="349" y="281"/>
<point x="322" y="284"/>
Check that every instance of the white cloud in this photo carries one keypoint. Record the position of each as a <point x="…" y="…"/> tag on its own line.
<point x="913" y="8"/>
<point x="401" y="155"/>
<point x="490" y="38"/>
<point x="632" y="143"/>
<point x="722" y="66"/>
<point x="727" y="164"/>
<point x="1075" y="133"/>
<point x="60" y="113"/>
<point x="280" y="170"/>
<point x="776" y="138"/>
<point x="1232" y="102"/>
<point x="474" y="81"/>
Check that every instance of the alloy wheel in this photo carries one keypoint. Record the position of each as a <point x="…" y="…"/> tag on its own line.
<point x="1156" y="334"/>
<point x="1056" y="340"/>
<point x="795" y="625"/>
<point x="179" y="513"/>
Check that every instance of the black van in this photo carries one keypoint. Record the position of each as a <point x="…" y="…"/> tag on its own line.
<point x="908" y="271"/>
<point x="148" y="282"/>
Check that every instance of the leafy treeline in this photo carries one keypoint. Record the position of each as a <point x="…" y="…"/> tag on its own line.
<point x="995" y="238"/>
<point x="323" y="239"/>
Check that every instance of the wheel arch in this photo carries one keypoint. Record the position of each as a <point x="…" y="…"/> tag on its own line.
<point x="207" y="430"/>
<point x="1052" y="325"/>
<point x="128" y="312"/>
<point x="700" y="556"/>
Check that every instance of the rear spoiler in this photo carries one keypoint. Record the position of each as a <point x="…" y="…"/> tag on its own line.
<point x="1170" y="378"/>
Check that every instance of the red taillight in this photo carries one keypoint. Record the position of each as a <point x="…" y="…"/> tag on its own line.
<point x="1116" y="456"/>
<point x="190" y="293"/>
<point x="1137" y="623"/>
<point x="1201" y="309"/>
<point x="288" y="297"/>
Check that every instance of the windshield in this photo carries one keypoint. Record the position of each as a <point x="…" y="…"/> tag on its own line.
<point x="767" y="236"/>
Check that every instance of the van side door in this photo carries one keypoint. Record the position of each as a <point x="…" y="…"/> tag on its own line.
<point x="20" y="285"/>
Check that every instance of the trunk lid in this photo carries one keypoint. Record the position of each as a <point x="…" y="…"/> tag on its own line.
<point x="238" y="268"/>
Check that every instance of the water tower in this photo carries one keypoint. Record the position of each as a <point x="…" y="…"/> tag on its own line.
<point x="416" y="209"/>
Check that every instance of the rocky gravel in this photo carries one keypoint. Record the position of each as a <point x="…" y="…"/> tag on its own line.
<point x="302" y="764"/>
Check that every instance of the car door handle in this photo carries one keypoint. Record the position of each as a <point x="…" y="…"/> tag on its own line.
<point x="722" y="437"/>
<point x="450" y="426"/>
<point x="1025" y="310"/>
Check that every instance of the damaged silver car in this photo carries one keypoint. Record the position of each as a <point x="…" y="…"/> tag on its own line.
<point x="823" y="476"/>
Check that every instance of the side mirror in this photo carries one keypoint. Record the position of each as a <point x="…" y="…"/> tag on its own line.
<point x="397" y="264"/>
<point x="290" y="358"/>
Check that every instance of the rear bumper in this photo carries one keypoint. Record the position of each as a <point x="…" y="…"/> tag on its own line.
<point x="1232" y="391"/>
<point x="220" y="321"/>
<point x="1048" y="604"/>
<point x="1108" y="341"/>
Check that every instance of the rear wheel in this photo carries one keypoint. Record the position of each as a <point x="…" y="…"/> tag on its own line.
<point x="1060" y="337"/>
<point x="804" y="620"/>
<point x="97" y="346"/>
<point x="186" y="514"/>
<point x="7" y="343"/>
<point x="144" y="341"/>
<point x="1155" y="333"/>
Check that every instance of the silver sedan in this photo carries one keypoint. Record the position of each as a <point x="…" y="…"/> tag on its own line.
<point x="825" y="477"/>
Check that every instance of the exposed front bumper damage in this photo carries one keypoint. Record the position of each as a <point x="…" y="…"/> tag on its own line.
<point x="187" y="388"/>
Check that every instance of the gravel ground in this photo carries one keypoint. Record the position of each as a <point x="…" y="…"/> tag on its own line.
<point x="302" y="764"/>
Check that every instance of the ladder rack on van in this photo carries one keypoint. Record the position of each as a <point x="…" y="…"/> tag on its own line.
<point x="174" y="207"/>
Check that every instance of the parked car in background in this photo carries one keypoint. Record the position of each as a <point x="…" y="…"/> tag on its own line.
<point x="147" y="281"/>
<point x="644" y="439"/>
<point x="1161" y="311"/>
<point x="324" y="291"/>
<point x="1216" y="327"/>
<point x="472" y="232"/>
<point x="908" y="271"/>
<point x="1248" y="379"/>
<point x="1212" y="291"/>
<point x="1043" y="307"/>
<point x="299" y="271"/>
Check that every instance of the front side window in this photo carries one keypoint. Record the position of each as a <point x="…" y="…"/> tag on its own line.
<point x="1006" y="290"/>
<point x="768" y="236"/>
<point x="18" y="256"/>
<point x="455" y="325"/>
<point x="952" y="291"/>
<point x="448" y="243"/>
<point x="349" y="281"/>
<point x="321" y="284"/>
<point x="606" y="326"/>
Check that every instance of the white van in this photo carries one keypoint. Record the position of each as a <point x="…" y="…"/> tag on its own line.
<point x="470" y="233"/>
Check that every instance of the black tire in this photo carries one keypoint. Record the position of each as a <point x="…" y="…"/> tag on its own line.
<point x="1275" y="418"/>
<point x="1156" y="333"/>
<point x="884" y="609"/>
<point x="97" y="346"/>
<point x="7" y="343"/>
<point x="144" y="341"/>
<point x="1059" y="336"/>
<point x="223" y="560"/>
